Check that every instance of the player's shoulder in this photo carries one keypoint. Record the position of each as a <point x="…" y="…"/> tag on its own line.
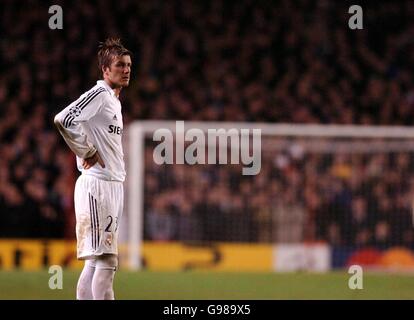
<point x="97" y="90"/>
<point x="97" y="94"/>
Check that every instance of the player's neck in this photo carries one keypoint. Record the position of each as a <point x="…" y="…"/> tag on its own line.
<point x="117" y="90"/>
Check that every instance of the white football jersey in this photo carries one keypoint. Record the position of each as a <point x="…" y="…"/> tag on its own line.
<point x="94" y="122"/>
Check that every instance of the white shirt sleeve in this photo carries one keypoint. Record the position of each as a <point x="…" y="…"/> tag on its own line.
<point x="69" y="121"/>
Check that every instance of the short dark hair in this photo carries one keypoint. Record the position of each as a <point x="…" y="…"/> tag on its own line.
<point x="108" y="50"/>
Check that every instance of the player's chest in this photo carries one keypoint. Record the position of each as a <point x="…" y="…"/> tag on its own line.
<point x="111" y="118"/>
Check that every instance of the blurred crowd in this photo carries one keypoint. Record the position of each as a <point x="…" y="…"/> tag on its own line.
<point x="260" y="61"/>
<point x="347" y="199"/>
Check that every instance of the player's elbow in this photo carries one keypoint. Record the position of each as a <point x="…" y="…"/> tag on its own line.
<point x="58" y="121"/>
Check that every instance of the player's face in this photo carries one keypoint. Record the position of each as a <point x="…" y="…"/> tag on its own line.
<point x="120" y="71"/>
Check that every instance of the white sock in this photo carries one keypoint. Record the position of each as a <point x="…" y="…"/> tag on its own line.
<point x="84" y="287"/>
<point x="102" y="283"/>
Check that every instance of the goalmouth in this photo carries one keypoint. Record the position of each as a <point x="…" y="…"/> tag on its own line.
<point x="279" y="143"/>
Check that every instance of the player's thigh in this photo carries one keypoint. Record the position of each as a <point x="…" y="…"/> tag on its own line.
<point x="113" y="202"/>
<point x="88" y="195"/>
<point x="83" y="189"/>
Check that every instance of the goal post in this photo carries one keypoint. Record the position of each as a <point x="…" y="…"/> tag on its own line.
<point x="347" y="186"/>
<point x="135" y="193"/>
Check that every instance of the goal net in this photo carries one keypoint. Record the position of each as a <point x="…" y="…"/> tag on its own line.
<point x="346" y="188"/>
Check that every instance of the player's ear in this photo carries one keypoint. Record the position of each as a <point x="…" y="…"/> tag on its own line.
<point x="104" y="70"/>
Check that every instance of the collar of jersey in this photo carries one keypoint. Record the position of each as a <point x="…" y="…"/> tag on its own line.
<point x="102" y="83"/>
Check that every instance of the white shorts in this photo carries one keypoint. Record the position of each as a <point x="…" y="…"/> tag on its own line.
<point x="98" y="207"/>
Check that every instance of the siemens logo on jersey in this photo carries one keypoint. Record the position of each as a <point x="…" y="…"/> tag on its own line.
<point x="115" y="129"/>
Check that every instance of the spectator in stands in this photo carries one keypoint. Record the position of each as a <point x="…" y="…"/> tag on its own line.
<point x="216" y="61"/>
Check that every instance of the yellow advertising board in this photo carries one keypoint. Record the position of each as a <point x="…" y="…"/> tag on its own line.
<point x="219" y="257"/>
<point x="168" y="256"/>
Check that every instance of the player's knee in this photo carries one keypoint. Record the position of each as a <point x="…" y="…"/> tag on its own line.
<point x="107" y="262"/>
<point x="90" y="263"/>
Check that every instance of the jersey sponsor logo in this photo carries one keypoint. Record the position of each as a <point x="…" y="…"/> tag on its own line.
<point x="115" y="129"/>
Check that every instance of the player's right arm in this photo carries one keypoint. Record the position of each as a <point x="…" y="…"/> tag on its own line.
<point x="69" y="120"/>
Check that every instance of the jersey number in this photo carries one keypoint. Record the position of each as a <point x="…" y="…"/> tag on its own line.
<point x="108" y="227"/>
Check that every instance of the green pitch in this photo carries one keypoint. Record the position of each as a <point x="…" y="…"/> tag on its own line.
<point x="211" y="285"/>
